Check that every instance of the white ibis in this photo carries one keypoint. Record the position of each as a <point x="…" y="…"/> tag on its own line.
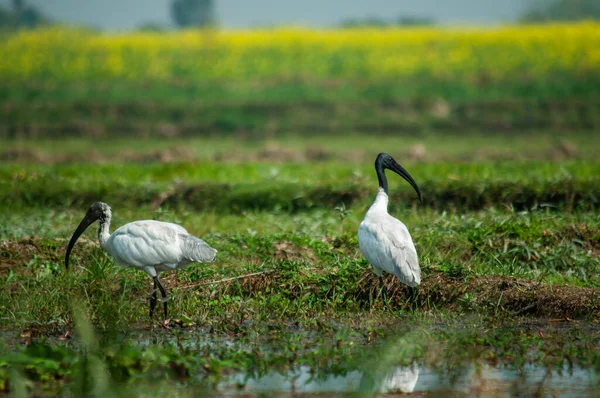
<point x="151" y="246"/>
<point x="383" y="239"/>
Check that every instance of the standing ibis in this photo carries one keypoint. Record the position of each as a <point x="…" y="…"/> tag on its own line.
<point x="151" y="246"/>
<point x="383" y="239"/>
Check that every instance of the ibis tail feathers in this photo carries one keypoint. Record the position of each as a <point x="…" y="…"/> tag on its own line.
<point x="406" y="267"/>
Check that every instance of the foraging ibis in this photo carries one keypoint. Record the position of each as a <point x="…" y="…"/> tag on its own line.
<point x="383" y="239"/>
<point x="151" y="246"/>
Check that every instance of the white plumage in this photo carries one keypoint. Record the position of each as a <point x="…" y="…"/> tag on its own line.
<point x="155" y="246"/>
<point x="401" y="379"/>
<point x="385" y="241"/>
<point x="151" y="246"/>
<point x="387" y="245"/>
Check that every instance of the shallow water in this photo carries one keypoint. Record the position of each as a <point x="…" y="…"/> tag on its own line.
<point x="476" y="379"/>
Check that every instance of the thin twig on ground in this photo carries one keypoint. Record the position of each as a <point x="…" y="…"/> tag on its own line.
<point x="227" y="279"/>
<point x="526" y="308"/>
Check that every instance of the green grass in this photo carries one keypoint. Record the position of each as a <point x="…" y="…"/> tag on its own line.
<point x="314" y="259"/>
<point x="277" y="174"/>
<point x="229" y="188"/>
<point x="254" y="118"/>
<point x="503" y="246"/>
<point x="357" y="148"/>
<point x="563" y="85"/>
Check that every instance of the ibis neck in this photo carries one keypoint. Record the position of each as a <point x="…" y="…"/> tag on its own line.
<point x="381" y="202"/>
<point x="103" y="229"/>
<point x="383" y="183"/>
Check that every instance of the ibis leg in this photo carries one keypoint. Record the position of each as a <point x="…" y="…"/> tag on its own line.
<point x="153" y="299"/>
<point x="163" y="292"/>
<point x="383" y="288"/>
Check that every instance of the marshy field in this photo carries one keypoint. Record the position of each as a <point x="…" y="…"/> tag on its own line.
<point x="262" y="143"/>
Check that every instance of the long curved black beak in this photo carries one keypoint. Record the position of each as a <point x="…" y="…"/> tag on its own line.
<point x="86" y="222"/>
<point x="401" y="171"/>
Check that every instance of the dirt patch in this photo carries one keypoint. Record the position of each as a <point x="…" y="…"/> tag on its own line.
<point x="23" y="156"/>
<point x="167" y="155"/>
<point x="585" y="236"/>
<point x="275" y="152"/>
<point x="491" y="294"/>
<point x="288" y="251"/>
<point x="16" y="255"/>
<point x="564" y="150"/>
<point x="513" y="295"/>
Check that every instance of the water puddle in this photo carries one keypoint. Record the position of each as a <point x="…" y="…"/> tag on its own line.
<point x="476" y="379"/>
<point x="267" y="365"/>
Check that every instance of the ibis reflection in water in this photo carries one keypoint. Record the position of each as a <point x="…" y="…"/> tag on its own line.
<point x="304" y="380"/>
<point x="385" y="240"/>
<point x="151" y="246"/>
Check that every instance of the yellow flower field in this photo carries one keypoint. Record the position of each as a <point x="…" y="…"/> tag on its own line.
<point x="455" y="53"/>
